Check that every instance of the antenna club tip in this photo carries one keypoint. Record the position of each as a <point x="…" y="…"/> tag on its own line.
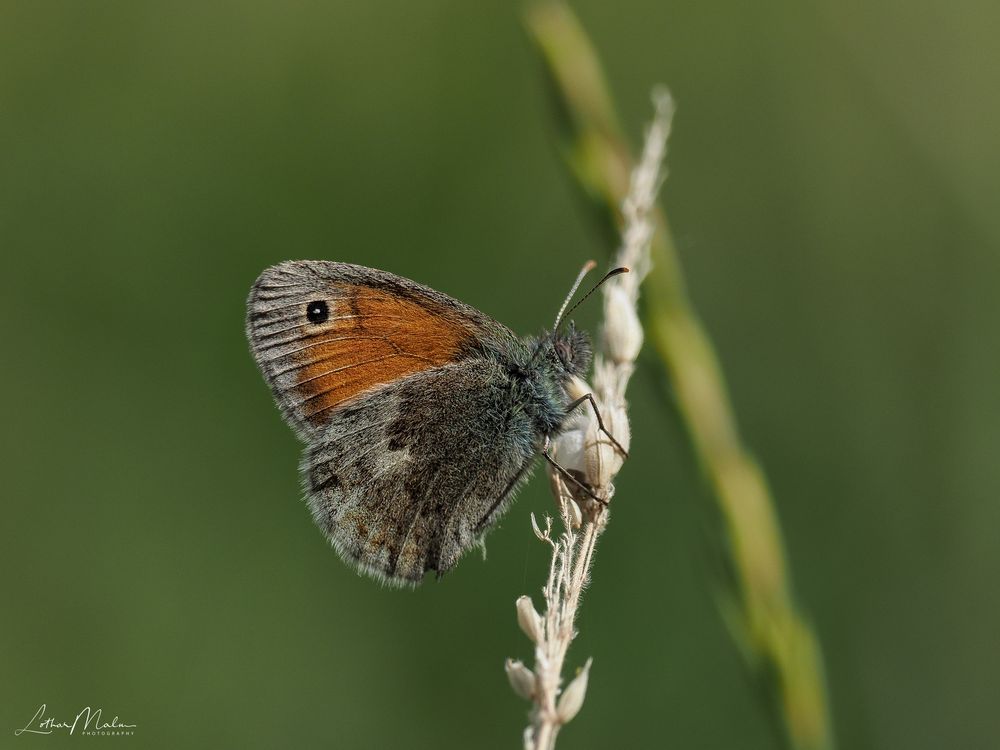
<point x="590" y="265"/>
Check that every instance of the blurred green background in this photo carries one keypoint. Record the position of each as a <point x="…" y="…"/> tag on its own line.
<point x="833" y="189"/>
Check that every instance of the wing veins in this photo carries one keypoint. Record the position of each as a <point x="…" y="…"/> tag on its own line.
<point x="342" y="369"/>
<point x="301" y="365"/>
<point x="351" y="367"/>
<point x="269" y="334"/>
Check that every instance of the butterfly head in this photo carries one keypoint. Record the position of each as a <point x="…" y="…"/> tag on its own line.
<point x="570" y="351"/>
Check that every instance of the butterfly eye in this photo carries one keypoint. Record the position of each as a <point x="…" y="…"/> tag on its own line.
<point x="317" y="311"/>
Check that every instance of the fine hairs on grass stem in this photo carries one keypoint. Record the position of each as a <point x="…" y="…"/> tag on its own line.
<point x="587" y="451"/>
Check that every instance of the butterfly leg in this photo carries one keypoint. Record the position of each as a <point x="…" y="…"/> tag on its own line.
<point x="568" y="476"/>
<point x="600" y="422"/>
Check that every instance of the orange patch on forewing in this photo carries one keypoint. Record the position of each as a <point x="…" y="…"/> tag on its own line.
<point x="372" y="337"/>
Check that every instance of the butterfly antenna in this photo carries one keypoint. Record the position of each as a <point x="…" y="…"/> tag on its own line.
<point x="610" y="274"/>
<point x="564" y="313"/>
<point x="589" y="266"/>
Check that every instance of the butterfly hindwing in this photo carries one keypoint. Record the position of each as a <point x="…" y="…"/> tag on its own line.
<point x="325" y="333"/>
<point x="408" y="478"/>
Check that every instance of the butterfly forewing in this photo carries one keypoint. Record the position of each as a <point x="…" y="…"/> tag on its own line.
<point x="324" y="333"/>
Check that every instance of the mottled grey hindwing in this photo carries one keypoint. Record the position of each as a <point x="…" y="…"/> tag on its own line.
<point x="402" y="481"/>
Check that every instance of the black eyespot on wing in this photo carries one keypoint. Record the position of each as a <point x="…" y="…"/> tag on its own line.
<point x="317" y="311"/>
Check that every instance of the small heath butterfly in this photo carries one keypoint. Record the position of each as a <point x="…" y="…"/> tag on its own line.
<point x="421" y="415"/>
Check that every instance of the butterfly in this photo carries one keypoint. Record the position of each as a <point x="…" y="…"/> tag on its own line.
<point x="421" y="415"/>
